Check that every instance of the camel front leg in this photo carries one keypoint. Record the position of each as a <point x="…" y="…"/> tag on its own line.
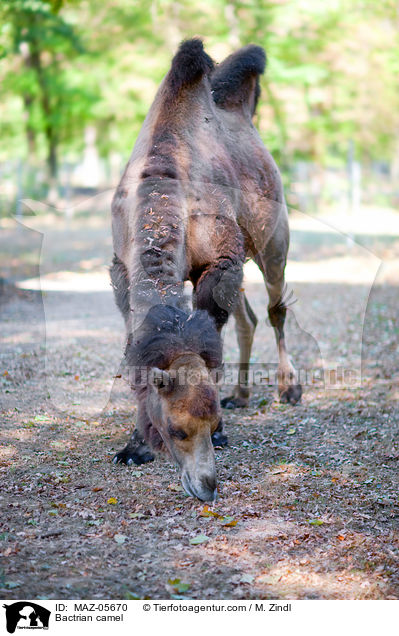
<point x="137" y="450"/>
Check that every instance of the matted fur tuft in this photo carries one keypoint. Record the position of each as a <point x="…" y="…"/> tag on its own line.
<point x="168" y="332"/>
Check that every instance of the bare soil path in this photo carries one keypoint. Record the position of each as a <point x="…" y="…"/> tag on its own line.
<point x="309" y="500"/>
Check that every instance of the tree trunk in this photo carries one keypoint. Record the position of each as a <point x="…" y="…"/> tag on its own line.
<point x="30" y="131"/>
<point x="50" y="132"/>
<point x="52" y="163"/>
<point x="28" y="103"/>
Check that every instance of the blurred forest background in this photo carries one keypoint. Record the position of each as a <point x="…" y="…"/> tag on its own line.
<point x="78" y="76"/>
<point x="308" y="503"/>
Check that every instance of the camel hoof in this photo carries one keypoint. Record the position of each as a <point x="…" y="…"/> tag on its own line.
<point x="129" y="457"/>
<point x="232" y="402"/>
<point x="219" y="440"/>
<point x="292" y="395"/>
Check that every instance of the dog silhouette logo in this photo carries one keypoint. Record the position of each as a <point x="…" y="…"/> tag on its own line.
<point x="26" y="615"/>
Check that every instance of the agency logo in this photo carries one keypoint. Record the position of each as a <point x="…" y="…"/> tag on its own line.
<point x="26" y="615"/>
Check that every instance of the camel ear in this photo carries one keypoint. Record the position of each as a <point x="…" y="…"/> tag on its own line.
<point x="161" y="379"/>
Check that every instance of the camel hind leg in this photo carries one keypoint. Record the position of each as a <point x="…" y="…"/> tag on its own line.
<point x="272" y="265"/>
<point x="246" y="322"/>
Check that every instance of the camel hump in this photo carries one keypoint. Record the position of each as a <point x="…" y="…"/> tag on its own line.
<point x="189" y="65"/>
<point x="235" y="82"/>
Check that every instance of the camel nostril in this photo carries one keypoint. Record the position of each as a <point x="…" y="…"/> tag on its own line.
<point x="204" y="489"/>
<point x="209" y="483"/>
<point x="210" y="495"/>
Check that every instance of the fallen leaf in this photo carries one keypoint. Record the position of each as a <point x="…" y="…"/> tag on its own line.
<point x="10" y="585"/>
<point x="205" y="512"/>
<point x="200" y="538"/>
<point x="178" y="597"/>
<point x="316" y="522"/>
<point x="269" y="579"/>
<point x="112" y="501"/>
<point x="129" y="596"/>
<point x="247" y="578"/>
<point x="97" y="489"/>
<point x="291" y="431"/>
<point x="77" y="377"/>
<point x="228" y="522"/>
<point x="178" y="585"/>
<point x="12" y="549"/>
<point x="175" y="487"/>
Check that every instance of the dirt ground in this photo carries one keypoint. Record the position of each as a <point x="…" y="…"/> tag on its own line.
<point x="309" y="501"/>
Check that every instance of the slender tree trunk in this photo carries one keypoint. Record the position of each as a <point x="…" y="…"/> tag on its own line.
<point x="52" y="162"/>
<point x="30" y="131"/>
<point x="51" y="135"/>
<point x="28" y="103"/>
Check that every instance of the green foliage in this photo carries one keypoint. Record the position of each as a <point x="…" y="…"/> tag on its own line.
<point x="331" y="76"/>
<point x="38" y="48"/>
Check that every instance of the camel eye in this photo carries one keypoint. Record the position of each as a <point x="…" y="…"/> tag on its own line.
<point x="178" y="433"/>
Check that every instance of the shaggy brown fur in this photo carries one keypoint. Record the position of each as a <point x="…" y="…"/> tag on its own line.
<point x="167" y="333"/>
